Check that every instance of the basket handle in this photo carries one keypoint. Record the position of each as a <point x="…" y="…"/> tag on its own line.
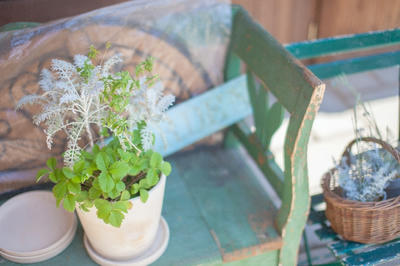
<point x="395" y="153"/>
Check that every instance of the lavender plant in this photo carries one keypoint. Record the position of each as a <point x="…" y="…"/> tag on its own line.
<point x="84" y="99"/>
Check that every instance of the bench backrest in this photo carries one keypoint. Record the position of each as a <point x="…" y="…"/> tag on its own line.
<point x="369" y="43"/>
<point x="296" y="90"/>
<point x="349" y="44"/>
<point x="300" y="93"/>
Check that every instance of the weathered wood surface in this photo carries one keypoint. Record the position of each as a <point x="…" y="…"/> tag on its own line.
<point x="216" y="210"/>
<point x="270" y="62"/>
<point x="300" y="93"/>
<point x="297" y="20"/>
<point x="343" y="44"/>
<point x="236" y="209"/>
<point x="203" y="115"/>
<point x="286" y="20"/>
<point x="264" y="159"/>
<point x="352" y="253"/>
<point x="346" y="44"/>
<point x="355" y="65"/>
<point x="340" y="17"/>
<point x="267" y="117"/>
<point x="200" y="119"/>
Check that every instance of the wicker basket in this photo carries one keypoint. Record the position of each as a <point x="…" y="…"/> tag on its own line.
<point x="365" y="222"/>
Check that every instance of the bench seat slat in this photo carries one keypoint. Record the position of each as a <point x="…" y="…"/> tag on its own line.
<point x="341" y="247"/>
<point x="190" y="240"/>
<point x="380" y="254"/>
<point x="236" y="209"/>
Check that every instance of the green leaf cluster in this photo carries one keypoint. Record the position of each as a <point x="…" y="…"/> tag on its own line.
<point x="116" y="95"/>
<point x="106" y="178"/>
<point x="117" y="92"/>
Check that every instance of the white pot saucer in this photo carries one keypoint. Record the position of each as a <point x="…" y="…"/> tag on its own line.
<point x="56" y="249"/>
<point x="149" y="256"/>
<point x="33" y="229"/>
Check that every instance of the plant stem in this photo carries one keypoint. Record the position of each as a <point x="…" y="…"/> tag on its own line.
<point x="136" y="178"/>
<point x="89" y="134"/>
<point x="133" y="145"/>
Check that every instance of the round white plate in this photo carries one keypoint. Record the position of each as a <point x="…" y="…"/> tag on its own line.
<point x="31" y="225"/>
<point x="149" y="256"/>
<point x="56" y="249"/>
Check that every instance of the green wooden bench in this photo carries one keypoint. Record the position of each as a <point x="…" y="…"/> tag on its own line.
<point x="214" y="204"/>
<point x="347" y="252"/>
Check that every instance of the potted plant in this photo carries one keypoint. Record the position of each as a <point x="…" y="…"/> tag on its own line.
<point x="116" y="187"/>
<point x="358" y="205"/>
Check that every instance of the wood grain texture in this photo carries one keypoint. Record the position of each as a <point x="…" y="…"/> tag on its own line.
<point x="269" y="258"/>
<point x="271" y="63"/>
<point x="344" y="44"/>
<point x="348" y="252"/>
<point x="238" y="212"/>
<point x="286" y="20"/>
<point x="300" y="92"/>
<point x="382" y="254"/>
<point x="355" y="65"/>
<point x="264" y="159"/>
<point x="191" y="242"/>
<point x="295" y="202"/>
<point x="205" y="114"/>
<point x="338" y="17"/>
<point x="268" y="117"/>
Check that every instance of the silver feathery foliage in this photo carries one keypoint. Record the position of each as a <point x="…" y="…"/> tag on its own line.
<point x="368" y="174"/>
<point x="72" y="103"/>
<point x="148" y="104"/>
<point x="69" y="104"/>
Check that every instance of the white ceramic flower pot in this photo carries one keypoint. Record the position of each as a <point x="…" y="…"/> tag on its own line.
<point x="137" y="231"/>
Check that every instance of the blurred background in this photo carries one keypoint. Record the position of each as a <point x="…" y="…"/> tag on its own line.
<point x="293" y="21"/>
<point x="288" y="20"/>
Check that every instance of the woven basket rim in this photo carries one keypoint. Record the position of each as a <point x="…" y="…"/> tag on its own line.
<point x="333" y="197"/>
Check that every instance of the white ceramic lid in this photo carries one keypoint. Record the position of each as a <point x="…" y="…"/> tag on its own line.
<point x="32" y="225"/>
